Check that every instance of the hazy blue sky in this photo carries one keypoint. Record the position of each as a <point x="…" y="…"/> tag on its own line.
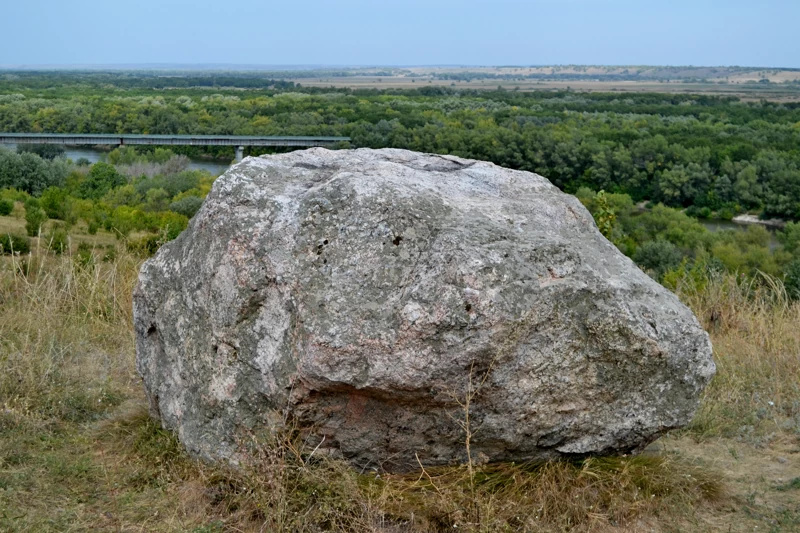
<point x="402" y="32"/>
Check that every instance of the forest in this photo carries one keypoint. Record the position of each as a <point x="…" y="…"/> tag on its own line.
<point x="650" y="167"/>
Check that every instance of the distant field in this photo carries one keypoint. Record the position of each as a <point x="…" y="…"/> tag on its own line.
<point x="742" y="91"/>
<point x="746" y="83"/>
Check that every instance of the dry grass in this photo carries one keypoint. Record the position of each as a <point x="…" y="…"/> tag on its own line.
<point x="64" y="334"/>
<point x="756" y="338"/>
<point x="79" y="453"/>
<point x="78" y="233"/>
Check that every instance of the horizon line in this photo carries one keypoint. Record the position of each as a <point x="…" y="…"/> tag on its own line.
<point x="320" y="66"/>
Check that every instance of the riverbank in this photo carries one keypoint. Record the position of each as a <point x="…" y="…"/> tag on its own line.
<point x="753" y="219"/>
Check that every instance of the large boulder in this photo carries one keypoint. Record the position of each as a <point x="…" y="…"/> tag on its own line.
<point x="371" y="298"/>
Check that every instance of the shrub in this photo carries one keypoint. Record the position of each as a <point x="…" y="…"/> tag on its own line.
<point x="58" y="241"/>
<point x="790" y="237"/>
<point x="792" y="280"/>
<point x="187" y="206"/>
<point x="111" y="255"/>
<point x="35" y="217"/>
<point x="125" y="219"/>
<point x="145" y="246"/>
<point x="10" y="243"/>
<point x="14" y="195"/>
<point x="604" y="215"/>
<point x="726" y="214"/>
<point x="170" y="224"/>
<point x="55" y="202"/>
<point x="6" y="206"/>
<point x="156" y="199"/>
<point x="657" y="256"/>
<point x="84" y="256"/>
<point x="124" y="195"/>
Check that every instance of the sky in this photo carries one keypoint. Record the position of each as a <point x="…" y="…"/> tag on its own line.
<point x="759" y="33"/>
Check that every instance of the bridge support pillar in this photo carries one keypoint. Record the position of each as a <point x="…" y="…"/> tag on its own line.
<point x="239" y="154"/>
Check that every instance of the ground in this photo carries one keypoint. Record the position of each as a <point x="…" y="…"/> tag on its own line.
<point x="761" y="482"/>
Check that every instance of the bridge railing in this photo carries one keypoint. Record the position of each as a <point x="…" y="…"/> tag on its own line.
<point x="166" y="140"/>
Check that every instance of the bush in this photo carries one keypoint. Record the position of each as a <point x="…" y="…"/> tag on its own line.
<point x="125" y="219"/>
<point x="111" y="255"/>
<point x="10" y="243"/>
<point x="14" y="195"/>
<point x="84" y="256"/>
<point x="146" y="246"/>
<point x="156" y="199"/>
<point x="58" y="241"/>
<point x="791" y="280"/>
<point x="789" y="237"/>
<point x="726" y="214"/>
<point x="6" y="206"/>
<point x="187" y="206"/>
<point x="35" y="217"/>
<point x="169" y="224"/>
<point x="56" y="203"/>
<point x="658" y="257"/>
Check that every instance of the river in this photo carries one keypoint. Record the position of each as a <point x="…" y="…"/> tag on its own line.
<point x="76" y="152"/>
<point x="722" y="225"/>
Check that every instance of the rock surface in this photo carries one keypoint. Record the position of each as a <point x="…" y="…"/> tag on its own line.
<point x="365" y="295"/>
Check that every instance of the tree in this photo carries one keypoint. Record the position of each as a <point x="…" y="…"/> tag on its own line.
<point x="747" y="188"/>
<point x="30" y="173"/>
<point x="101" y="179"/>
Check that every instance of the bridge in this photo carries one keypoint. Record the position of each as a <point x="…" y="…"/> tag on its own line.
<point x="239" y="141"/>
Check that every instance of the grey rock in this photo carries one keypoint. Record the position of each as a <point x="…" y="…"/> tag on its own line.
<point x="363" y="296"/>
